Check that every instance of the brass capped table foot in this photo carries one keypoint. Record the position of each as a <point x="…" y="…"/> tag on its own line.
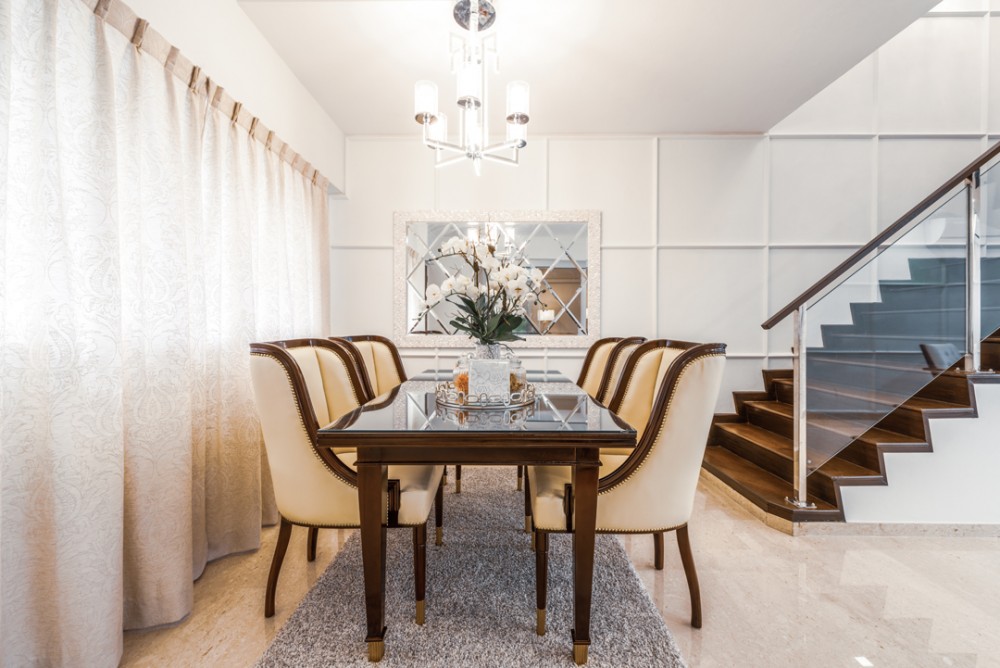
<point x="580" y="653"/>
<point x="458" y="486"/>
<point x="540" y="621"/>
<point x="420" y="612"/>
<point x="376" y="650"/>
<point x="527" y="524"/>
<point x="439" y="536"/>
<point x="519" y="487"/>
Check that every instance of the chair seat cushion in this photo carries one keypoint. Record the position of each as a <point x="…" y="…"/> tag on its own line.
<point x="548" y="490"/>
<point x="417" y="484"/>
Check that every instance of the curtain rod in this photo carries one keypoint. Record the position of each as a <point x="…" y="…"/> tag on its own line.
<point x="120" y="16"/>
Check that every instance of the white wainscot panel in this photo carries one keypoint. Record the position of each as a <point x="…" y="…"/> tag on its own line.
<point x="361" y="291"/>
<point x="628" y="293"/>
<point x="566" y="362"/>
<point x="930" y="77"/>
<point x="615" y="176"/>
<point x="742" y="375"/>
<point x="708" y="295"/>
<point x="504" y="187"/>
<point x="911" y="169"/>
<point x="846" y="105"/>
<point x="382" y="176"/>
<point x="712" y="190"/>
<point x="993" y="117"/>
<point x="822" y="190"/>
<point x="791" y="272"/>
<point x="416" y="360"/>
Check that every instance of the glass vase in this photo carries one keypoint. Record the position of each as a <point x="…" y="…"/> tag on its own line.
<point x="488" y="351"/>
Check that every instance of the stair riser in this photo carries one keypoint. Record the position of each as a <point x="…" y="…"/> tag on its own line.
<point x="864" y="377"/>
<point x="950" y="270"/>
<point x="776" y="464"/>
<point x="876" y="344"/>
<point x="903" y="296"/>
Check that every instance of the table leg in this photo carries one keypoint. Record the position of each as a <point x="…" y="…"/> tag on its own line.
<point x="373" y="499"/>
<point x="585" y="475"/>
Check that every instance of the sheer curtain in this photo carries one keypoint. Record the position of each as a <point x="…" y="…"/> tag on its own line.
<point x="146" y="240"/>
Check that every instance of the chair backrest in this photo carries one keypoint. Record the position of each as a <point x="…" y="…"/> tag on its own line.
<point x="670" y="392"/>
<point x="380" y="359"/>
<point x="594" y="364"/>
<point x="299" y="386"/>
<point x="616" y="364"/>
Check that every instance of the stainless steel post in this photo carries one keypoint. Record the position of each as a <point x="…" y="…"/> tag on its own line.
<point x="800" y="451"/>
<point x="973" y="283"/>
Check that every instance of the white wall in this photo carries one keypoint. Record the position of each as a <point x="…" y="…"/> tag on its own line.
<point x="706" y="236"/>
<point x="218" y="37"/>
<point x="954" y="484"/>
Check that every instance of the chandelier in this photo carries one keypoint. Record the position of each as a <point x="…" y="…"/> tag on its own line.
<point x="471" y="56"/>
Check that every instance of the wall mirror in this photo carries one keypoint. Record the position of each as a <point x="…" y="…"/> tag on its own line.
<point x="565" y="246"/>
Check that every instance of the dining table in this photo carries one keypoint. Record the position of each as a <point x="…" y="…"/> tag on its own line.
<point x="562" y="426"/>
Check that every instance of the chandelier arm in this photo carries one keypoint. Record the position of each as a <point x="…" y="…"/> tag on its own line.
<point x="443" y="146"/>
<point x="451" y="161"/>
<point x="499" y="158"/>
<point x="503" y="146"/>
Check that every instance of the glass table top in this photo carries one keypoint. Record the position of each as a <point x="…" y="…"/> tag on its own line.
<point x="559" y="406"/>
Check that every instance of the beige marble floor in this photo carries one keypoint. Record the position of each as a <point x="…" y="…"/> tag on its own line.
<point x="769" y="599"/>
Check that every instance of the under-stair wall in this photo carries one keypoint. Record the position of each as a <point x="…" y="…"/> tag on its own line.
<point x="955" y="483"/>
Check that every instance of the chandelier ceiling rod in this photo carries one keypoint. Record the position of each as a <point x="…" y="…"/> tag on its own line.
<point x="469" y="55"/>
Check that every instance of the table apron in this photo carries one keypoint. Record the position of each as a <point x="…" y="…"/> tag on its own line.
<point x="506" y="456"/>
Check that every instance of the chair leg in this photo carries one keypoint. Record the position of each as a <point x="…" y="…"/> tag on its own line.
<point x="444" y="476"/>
<point x="658" y="550"/>
<point x="458" y="478"/>
<point x="420" y="567"/>
<point x="439" y="515"/>
<point x="284" y="533"/>
<point x="527" y="508"/>
<point x="684" y="543"/>
<point x="311" y="543"/>
<point x="520" y="477"/>
<point x="541" y="579"/>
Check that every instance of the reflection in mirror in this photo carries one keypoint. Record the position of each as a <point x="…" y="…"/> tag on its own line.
<point x="557" y="245"/>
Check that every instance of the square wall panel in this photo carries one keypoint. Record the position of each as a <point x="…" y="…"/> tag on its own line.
<point x="792" y="271"/>
<point x="911" y="169"/>
<point x="959" y="6"/>
<point x="846" y="105"/>
<point x="709" y="295"/>
<point x="993" y="114"/>
<point x="712" y="190"/>
<point x="822" y="190"/>
<point x="383" y="176"/>
<point x="742" y="374"/>
<point x="930" y="77"/>
<point x="615" y="176"/>
<point x="499" y="186"/>
<point x="628" y="293"/>
<point x="361" y="291"/>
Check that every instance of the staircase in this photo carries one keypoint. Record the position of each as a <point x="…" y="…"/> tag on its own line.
<point x="871" y="389"/>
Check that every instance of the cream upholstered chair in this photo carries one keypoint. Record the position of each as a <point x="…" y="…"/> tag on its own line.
<point x="299" y="386"/>
<point x="669" y="397"/>
<point x="594" y="364"/>
<point x="615" y="366"/>
<point x="380" y="360"/>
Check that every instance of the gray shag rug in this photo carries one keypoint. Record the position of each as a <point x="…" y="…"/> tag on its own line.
<point x="480" y="597"/>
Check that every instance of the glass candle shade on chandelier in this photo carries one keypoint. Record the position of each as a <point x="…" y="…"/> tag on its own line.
<point x="471" y="54"/>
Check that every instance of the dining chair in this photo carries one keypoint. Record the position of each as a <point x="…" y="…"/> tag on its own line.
<point x="299" y="386"/>
<point x="669" y="397"/>
<point x="615" y="365"/>
<point x="594" y="364"/>
<point x="382" y="370"/>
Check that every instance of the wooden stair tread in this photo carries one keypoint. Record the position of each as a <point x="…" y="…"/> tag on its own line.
<point x="778" y="444"/>
<point x="885" y="398"/>
<point x="763" y="489"/>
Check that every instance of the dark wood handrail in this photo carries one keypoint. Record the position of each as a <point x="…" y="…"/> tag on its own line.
<point x="883" y="236"/>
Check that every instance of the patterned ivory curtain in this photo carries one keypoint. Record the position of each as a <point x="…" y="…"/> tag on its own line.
<point x="145" y="241"/>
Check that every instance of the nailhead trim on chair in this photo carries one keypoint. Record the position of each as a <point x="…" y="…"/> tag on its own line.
<point x="656" y="441"/>
<point x="302" y="421"/>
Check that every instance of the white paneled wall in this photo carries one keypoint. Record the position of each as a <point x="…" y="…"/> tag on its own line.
<point x="705" y="236"/>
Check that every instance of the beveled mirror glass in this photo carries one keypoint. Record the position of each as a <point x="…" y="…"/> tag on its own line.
<point x="563" y="245"/>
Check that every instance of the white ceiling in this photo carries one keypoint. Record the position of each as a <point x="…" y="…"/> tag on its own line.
<point x="595" y="66"/>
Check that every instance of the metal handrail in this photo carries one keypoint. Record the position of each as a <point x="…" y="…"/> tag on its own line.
<point x="891" y="231"/>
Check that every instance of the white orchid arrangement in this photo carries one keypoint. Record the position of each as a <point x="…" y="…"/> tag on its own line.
<point x="493" y="299"/>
